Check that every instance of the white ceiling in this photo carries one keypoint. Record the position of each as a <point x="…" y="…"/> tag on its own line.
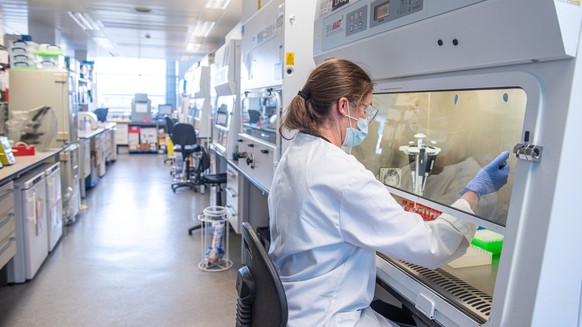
<point x="163" y="33"/>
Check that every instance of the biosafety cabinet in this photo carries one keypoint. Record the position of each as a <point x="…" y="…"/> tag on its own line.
<point x="200" y="102"/>
<point x="275" y="64"/>
<point x="457" y="83"/>
<point x="226" y="82"/>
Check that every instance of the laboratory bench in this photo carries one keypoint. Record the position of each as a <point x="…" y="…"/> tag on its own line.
<point x="98" y="147"/>
<point x="24" y="164"/>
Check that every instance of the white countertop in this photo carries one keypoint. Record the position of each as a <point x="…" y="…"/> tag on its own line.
<point x="23" y="164"/>
<point x="89" y="133"/>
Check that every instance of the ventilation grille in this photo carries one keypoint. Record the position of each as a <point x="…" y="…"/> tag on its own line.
<point x="473" y="302"/>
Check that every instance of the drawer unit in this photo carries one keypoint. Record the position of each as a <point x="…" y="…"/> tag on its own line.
<point x="232" y="198"/>
<point x="7" y="224"/>
<point x="7" y="249"/>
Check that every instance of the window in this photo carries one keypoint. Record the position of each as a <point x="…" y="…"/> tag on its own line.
<point x="119" y="79"/>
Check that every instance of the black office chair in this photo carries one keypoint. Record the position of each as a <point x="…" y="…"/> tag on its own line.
<point x="184" y="137"/>
<point x="201" y="178"/>
<point x="261" y="297"/>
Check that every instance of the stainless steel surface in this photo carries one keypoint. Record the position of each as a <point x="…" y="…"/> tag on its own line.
<point x="528" y="152"/>
<point x="467" y="289"/>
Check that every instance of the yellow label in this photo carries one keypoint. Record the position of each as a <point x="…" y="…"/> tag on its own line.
<point x="258" y="4"/>
<point x="571" y="2"/>
<point x="290" y="58"/>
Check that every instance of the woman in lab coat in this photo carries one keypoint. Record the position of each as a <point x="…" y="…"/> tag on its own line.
<point x="329" y="215"/>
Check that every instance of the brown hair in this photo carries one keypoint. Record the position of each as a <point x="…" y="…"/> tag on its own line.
<point x="327" y="83"/>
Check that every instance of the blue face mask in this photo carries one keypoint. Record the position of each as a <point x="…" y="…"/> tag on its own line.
<point x="354" y="136"/>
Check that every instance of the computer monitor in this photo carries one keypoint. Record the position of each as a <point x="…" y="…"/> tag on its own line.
<point x="165" y="109"/>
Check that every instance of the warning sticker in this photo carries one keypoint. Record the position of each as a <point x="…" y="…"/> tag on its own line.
<point x="290" y="58"/>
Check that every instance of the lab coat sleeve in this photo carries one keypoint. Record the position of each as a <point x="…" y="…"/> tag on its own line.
<point x="371" y="218"/>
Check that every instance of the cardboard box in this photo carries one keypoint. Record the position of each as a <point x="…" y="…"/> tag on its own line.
<point x="148" y="135"/>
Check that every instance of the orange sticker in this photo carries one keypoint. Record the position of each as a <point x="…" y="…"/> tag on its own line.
<point x="290" y="58"/>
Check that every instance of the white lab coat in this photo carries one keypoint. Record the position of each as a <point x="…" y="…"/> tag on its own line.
<point x="328" y="217"/>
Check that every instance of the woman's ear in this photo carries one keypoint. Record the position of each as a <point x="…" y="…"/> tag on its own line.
<point x="342" y="106"/>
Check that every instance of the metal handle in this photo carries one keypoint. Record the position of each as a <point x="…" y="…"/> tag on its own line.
<point x="527" y="151"/>
<point x="231" y="192"/>
<point x="230" y="212"/>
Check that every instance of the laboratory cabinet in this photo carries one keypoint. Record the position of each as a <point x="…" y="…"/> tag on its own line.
<point x="32" y="238"/>
<point x="98" y="148"/>
<point x="54" y="204"/>
<point x="480" y="78"/>
<point x="274" y="65"/>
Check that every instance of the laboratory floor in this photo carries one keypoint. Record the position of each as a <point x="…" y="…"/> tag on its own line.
<point x="128" y="260"/>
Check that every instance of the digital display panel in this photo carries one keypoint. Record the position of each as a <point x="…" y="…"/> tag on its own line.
<point x="382" y="10"/>
<point x="222" y="116"/>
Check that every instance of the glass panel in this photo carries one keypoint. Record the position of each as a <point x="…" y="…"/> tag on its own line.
<point x="196" y="112"/>
<point x="259" y="117"/>
<point x="454" y="133"/>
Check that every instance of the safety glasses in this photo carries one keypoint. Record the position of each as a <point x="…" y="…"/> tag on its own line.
<point x="370" y="112"/>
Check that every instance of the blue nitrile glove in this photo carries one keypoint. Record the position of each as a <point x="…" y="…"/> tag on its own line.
<point x="491" y="178"/>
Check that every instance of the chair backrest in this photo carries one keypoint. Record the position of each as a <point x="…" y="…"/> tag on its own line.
<point x="184" y="134"/>
<point x="170" y="126"/>
<point x="203" y="161"/>
<point x="261" y="296"/>
<point x="101" y="114"/>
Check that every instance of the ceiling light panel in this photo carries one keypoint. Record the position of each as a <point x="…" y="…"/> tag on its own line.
<point x="103" y="42"/>
<point x="203" y="28"/>
<point x="193" y="47"/>
<point x="217" y="4"/>
<point x="84" y="21"/>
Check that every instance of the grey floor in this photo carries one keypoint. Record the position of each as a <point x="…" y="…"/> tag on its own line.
<point x="128" y="260"/>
